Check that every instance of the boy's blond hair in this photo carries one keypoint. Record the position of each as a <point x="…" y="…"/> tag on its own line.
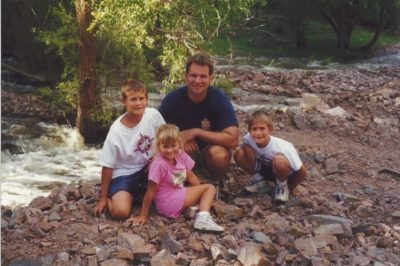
<point x="168" y="133"/>
<point x="132" y="85"/>
<point x="261" y="116"/>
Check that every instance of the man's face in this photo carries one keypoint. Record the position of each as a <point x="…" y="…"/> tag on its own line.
<point x="198" y="79"/>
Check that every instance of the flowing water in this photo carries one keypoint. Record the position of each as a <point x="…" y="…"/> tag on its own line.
<point x="47" y="155"/>
<point x="36" y="157"/>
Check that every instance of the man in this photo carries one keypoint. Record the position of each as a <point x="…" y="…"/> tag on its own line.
<point x="205" y="116"/>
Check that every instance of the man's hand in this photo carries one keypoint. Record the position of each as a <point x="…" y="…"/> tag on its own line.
<point x="101" y="207"/>
<point x="191" y="147"/>
<point x="138" y="220"/>
<point x="188" y="135"/>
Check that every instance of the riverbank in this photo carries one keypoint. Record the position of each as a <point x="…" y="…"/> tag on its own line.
<point x="344" y="123"/>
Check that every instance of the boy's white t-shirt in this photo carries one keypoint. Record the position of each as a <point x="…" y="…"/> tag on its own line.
<point x="128" y="150"/>
<point x="275" y="146"/>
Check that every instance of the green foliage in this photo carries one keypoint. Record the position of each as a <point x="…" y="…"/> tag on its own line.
<point x="168" y="31"/>
<point x="224" y="84"/>
<point x="63" y="96"/>
<point x="61" y="36"/>
<point x="143" y="39"/>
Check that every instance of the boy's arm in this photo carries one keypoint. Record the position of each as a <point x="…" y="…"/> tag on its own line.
<point x="143" y="217"/>
<point x="192" y="179"/>
<point x="106" y="174"/>
<point x="301" y="174"/>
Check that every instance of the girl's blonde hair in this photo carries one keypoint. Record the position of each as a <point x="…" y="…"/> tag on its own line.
<point x="261" y="116"/>
<point x="168" y="133"/>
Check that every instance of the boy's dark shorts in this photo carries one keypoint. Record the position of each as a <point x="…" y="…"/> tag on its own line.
<point x="130" y="183"/>
<point x="268" y="174"/>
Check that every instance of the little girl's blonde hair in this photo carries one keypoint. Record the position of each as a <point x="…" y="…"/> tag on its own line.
<point x="168" y="133"/>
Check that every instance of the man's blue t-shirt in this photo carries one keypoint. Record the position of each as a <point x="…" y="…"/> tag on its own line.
<point x="214" y="113"/>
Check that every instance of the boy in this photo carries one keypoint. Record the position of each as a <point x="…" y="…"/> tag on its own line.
<point x="127" y="151"/>
<point x="273" y="158"/>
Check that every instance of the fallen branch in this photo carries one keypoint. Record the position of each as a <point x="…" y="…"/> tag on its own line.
<point x="23" y="73"/>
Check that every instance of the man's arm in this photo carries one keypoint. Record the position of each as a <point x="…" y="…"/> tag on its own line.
<point x="228" y="138"/>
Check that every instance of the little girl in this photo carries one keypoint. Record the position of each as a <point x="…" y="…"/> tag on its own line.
<point x="168" y="172"/>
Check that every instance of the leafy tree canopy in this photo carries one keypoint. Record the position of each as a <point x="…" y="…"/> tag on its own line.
<point x="143" y="37"/>
<point x="166" y="30"/>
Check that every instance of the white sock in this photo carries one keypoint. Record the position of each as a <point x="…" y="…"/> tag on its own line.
<point x="280" y="183"/>
<point x="204" y="213"/>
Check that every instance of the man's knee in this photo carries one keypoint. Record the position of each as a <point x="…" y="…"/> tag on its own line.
<point x="238" y="155"/>
<point x="218" y="155"/>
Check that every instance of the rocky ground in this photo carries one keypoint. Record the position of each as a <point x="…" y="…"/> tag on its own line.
<point x="345" y="125"/>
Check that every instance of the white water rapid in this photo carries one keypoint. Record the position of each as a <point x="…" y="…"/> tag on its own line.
<point x="49" y="155"/>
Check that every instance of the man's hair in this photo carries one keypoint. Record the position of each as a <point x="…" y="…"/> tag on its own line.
<point x="202" y="60"/>
<point x="168" y="133"/>
<point x="260" y="116"/>
<point x="132" y="85"/>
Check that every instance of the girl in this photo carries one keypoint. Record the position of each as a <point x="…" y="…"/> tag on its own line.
<point x="169" y="170"/>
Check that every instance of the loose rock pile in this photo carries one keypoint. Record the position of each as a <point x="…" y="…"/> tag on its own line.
<point x="345" y="124"/>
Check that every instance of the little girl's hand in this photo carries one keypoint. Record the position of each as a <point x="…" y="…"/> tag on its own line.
<point x="138" y="220"/>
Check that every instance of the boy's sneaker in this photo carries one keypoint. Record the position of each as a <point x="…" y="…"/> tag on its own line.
<point x="206" y="223"/>
<point x="256" y="178"/>
<point x="281" y="194"/>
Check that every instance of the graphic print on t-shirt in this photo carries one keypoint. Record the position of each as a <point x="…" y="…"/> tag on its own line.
<point x="144" y="144"/>
<point x="205" y="124"/>
<point x="179" y="178"/>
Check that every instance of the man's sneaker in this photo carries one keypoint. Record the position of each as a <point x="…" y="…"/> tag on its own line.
<point x="281" y="194"/>
<point x="206" y="223"/>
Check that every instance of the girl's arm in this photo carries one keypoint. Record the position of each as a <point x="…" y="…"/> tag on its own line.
<point x="143" y="217"/>
<point x="192" y="179"/>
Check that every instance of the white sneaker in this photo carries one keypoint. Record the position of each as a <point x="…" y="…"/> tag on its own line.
<point x="206" y="223"/>
<point x="281" y="194"/>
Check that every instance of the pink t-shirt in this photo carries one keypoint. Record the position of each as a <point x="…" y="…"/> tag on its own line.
<point x="170" y="194"/>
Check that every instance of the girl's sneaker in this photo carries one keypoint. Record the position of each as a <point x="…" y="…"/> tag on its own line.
<point x="205" y="222"/>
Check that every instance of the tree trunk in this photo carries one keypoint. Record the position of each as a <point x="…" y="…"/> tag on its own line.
<point x="300" y="28"/>
<point x="87" y="76"/>
<point x="344" y="35"/>
<point x="378" y="30"/>
<point x="343" y="22"/>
